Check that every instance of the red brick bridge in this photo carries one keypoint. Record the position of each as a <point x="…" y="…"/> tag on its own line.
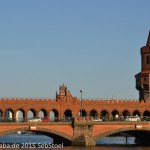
<point x="81" y="132"/>
<point x="67" y="105"/>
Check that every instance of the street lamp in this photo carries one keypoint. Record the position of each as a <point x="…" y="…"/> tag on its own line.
<point x="81" y="102"/>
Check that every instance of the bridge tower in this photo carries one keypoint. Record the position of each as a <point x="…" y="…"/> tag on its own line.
<point x="143" y="78"/>
<point x="64" y="94"/>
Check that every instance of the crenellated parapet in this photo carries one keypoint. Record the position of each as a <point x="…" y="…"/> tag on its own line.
<point x="63" y="100"/>
<point x="26" y="100"/>
<point x="66" y="105"/>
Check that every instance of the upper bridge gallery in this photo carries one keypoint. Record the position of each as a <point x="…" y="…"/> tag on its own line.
<point x="89" y="120"/>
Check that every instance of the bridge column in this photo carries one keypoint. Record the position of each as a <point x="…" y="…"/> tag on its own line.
<point x="36" y="114"/>
<point x="14" y="114"/>
<point x="141" y="115"/>
<point x="83" y="134"/>
<point x="48" y="115"/>
<point x="109" y="116"/>
<point x="25" y="119"/>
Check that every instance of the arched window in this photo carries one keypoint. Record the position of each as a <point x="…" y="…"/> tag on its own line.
<point x="54" y="115"/>
<point x="148" y="59"/>
<point x="93" y="113"/>
<point x="82" y="113"/>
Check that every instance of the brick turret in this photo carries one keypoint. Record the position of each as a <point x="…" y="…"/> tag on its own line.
<point x="64" y="94"/>
<point x="143" y="78"/>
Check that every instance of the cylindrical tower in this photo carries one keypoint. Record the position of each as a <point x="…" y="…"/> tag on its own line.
<point x="143" y="78"/>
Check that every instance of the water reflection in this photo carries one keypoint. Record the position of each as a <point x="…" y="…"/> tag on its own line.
<point x="26" y="138"/>
<point x="116" y="140"/>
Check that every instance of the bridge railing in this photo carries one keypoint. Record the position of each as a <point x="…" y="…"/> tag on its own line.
<point x="114" y="118"/>
<point x="85" y="118"/>
<point x="123" y="118"/>
<point x="36" y="119"/>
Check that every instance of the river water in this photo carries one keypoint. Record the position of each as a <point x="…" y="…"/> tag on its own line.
<point x="29" y="140"/>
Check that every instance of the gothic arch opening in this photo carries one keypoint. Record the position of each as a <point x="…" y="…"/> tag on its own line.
<point x="82" y="113"/>
<point x="20" y="115"/>
<point x="136" y="113"/>
<point x="54" y="115"/>
<point x="146" y="113"/>
<point x="68" y="113"/>
<point x="31" y="113"/>
<point x="136" y="136"/>
<point x="125" y="113"/>
<point x="45" y="136"/>
<point x="114" y="115"/>
<point x="42" y="113"/>
<point x="9" y="115"/>
<point x="93" y="113"/>
<point x="104" y="115"/>
<point x="67" y="116"/>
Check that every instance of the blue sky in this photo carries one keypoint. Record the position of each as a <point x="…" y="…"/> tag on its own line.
<point x="89" y="45"/>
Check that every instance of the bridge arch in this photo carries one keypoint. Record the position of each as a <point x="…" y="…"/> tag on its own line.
<point x="136" y="113"/>
<point x="54" y="115"/>
<point x="114" y="113"/>
<point x="104" y="115"/>
<point x="110" y="132"/>
<point x="68" y="113"/>
<point x="126" y="113"/>
<point x="84" y="113"/>
<point x="20" y="115"/>
<point x="146" y="113"/>
<point x="107" y="133"/>
<point x="42" y="113"/>
<point x="59" y="137"/>
<point x="31" y="113"/>
<point x="93" y="113"/>
<point x="9" y="113"/>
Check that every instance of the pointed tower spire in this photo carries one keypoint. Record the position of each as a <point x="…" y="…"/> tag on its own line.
<point x="148" y="39"/>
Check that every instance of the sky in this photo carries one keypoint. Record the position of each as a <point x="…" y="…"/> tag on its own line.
<point x="93" y="46"/>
